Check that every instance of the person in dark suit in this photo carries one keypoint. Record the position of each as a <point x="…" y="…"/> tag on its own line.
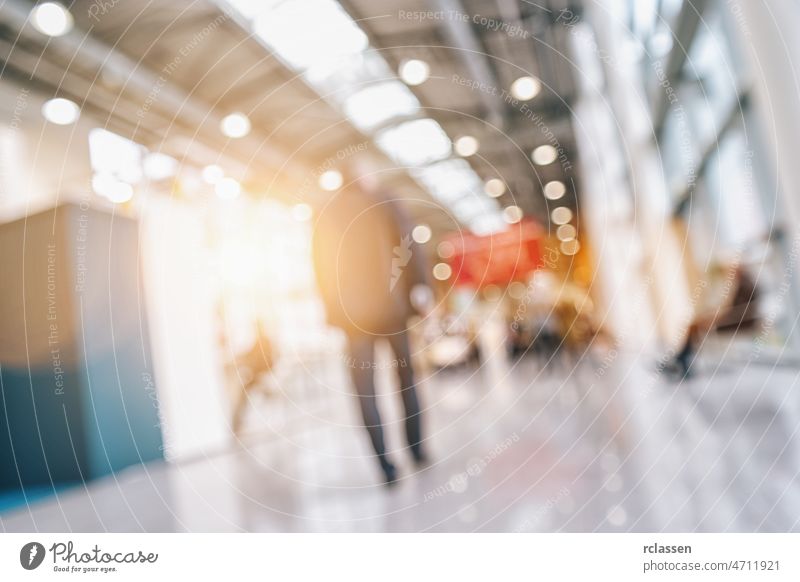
<point x="367" y="269"/>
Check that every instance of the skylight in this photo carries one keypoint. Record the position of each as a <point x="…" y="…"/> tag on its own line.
<point x="449" y="180"/>
<point x="113" y="155"/>
<point x="336" y="79"/>
<point x="471" y="207"/>
<point x="487" y="224"/>
<point x="249" y="9"/>
<point x="415" y="143"/>
<point x="306" y="32"/>
<point x="379" y="103"/>
<point x="319" y="40"/>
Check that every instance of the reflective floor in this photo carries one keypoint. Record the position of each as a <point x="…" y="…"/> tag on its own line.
<point x="599" y="445"/>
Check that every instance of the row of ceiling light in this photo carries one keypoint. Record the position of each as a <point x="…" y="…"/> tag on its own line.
<point x="419" y="142"/>
<point x="53" y="19"/>
<point x="319" y="40"/>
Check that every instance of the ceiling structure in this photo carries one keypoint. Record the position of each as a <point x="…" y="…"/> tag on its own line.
<point x="512" y="39"/>
<point x="166" y="73"/>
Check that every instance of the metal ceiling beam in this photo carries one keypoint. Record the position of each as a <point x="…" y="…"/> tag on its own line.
<point x="685" y="29"/>
<point x="138" y="79"/>
<point x="24" y="67"/>
<point x="462" y="37"/>
<point x="225" y="7"/>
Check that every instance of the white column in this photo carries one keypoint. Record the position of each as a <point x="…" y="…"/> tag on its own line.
<point x="609" y="206"/>
<point x="768" y="31"/>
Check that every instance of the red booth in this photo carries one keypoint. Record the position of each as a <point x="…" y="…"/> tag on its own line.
<point x="497" y="259"/>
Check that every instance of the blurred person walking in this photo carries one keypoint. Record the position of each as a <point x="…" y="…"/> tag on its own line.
<point x="372" y="281"/>
<point x="738" y="313"/>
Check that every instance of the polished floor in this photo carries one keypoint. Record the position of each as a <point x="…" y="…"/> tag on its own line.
<point x="602" y="444"/>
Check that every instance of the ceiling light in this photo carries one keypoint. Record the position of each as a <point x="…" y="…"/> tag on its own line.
<point x="60" y="111"/>
<point x="212" y="174"/>
<point x="379" y="103"/>
<point x="442" y="271"/>
<point x="570" y="247"/>
<point x="445" y="249"/>
<point x="561" y="215"/>
<point x="526" y="88"/>
<point x="492" y="293"/>
<point x="566" y="232"/>
<point x="414" y="72"/>
<point x="554" y="190"/>
<point x="331" y="180"/>
<point x="235" y="125"/>
<point x="544" y="154"/>
<point x="517" y="290"/>
<point x="109" y="187"/>
<point x="228" y="188"/>
<point x="415" y="143"/>
<point x="52" y="19"/>
<point x="466" y="146"/>
<point x="495" y="187"/>
<point x="121" y="193"/>
<point x="301" y="212"/>
<point x="512" y="214"/>
<point x="421" y="233"/>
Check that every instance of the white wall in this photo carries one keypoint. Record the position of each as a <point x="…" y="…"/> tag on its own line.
<point x="41" y="163"/>
<point x="180" y="293"/>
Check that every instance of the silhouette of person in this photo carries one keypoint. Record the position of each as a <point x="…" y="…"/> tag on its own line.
<point x="739" y="314"/>
<point x="367" y="269"/>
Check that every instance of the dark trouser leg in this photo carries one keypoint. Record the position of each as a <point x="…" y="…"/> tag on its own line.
<point x="408" y="392"/>
<point x="685" y="356"/>
<point x="362" y="354"/>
